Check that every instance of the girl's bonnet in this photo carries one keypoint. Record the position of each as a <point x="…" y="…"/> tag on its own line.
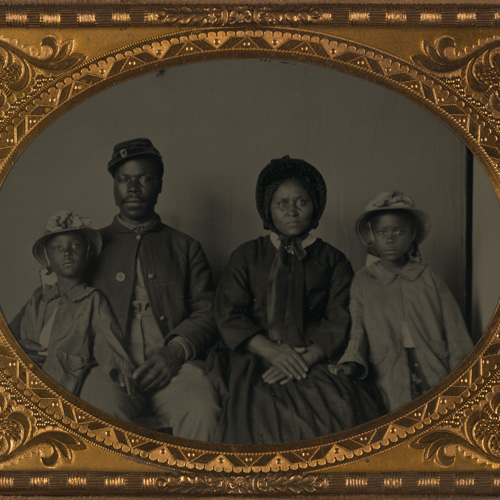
<point x="281" y="170"/>
<point x="391" y="200"/>
<point x="63" y="222"/>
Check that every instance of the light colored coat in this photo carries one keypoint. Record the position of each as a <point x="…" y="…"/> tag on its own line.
<point x="84" y="332"/>
<point x="382" y="305"/>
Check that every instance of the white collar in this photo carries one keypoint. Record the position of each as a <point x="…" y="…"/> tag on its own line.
<point x="309" y="240"/>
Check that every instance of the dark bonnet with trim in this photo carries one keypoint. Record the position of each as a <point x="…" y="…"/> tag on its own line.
<point x="281" y="170"/>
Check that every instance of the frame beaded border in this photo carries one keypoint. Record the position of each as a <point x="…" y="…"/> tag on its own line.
<point x="448" y="86"/>
<point x="120" y="15"/>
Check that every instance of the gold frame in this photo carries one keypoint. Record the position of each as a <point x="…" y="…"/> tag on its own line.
<point x="442" y="443"/>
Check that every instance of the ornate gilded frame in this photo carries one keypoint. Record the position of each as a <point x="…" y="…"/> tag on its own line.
<point x="443" y="57"/>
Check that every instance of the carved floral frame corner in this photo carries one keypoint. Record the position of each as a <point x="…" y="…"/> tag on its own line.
<point x="450" y="434"/>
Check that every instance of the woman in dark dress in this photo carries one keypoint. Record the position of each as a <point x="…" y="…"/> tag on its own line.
<point x="282" y="309"/>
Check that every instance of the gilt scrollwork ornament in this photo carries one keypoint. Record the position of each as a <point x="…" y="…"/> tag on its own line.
<point x="19" y="434"/>
<point x="191" y="16"/>
<point x="212" y="16"/>
<point x="479" y="67"/>
<point x="18" y="65"/>
<point x="288" y="15"/>
<point x="77" y="82"/>
<point x="479" y="437"/>
<point x="270" y="483"/>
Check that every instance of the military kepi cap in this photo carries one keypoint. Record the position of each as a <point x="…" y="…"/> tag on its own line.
<point x="134" y="148"/>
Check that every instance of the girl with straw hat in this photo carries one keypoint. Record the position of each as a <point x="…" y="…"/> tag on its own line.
<point x="407" y="330"/>
<point x="67" y="326"/>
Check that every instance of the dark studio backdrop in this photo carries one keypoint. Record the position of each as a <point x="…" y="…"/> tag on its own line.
<point x="217" y="125"/>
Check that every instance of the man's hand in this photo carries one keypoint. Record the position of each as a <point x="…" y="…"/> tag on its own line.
<point x="159" y="369"/>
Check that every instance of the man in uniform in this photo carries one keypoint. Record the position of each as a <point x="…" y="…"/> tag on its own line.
<point x="159" y="285"/>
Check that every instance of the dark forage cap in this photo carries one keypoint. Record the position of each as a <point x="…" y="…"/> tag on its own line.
<point x="134" y="148"/>
<point x="281" y="170"/>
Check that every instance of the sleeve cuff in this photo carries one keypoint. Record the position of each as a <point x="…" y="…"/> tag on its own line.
<point x="350" y="356"/>
<point x="187" y="346"/>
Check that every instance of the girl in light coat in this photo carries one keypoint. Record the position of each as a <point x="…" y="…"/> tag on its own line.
<point x="67" y="326"/>
<point x="407" y="328"/>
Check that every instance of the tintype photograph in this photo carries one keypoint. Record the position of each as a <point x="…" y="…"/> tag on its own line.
<point x="183" y="259"/>
<point x="249" y="250"/>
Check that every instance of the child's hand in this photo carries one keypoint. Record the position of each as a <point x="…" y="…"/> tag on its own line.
<point x="349" y="369"/>
<point x="37" y="352"/>
<point x="128" y="383"/>
<point x="122" y="374"/>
